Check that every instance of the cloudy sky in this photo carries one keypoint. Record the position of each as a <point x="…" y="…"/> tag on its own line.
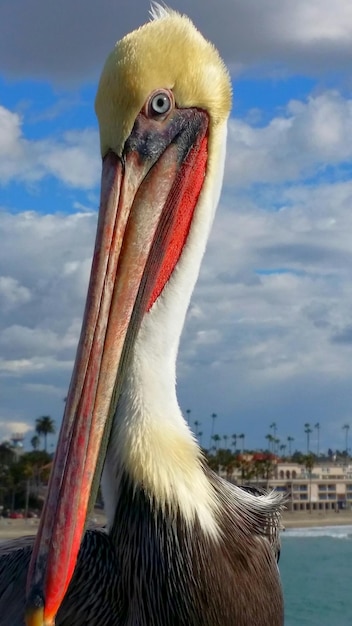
<point x="269" y="331"/>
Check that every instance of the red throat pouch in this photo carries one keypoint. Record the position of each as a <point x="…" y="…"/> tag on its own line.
<point x="189" y="182"/>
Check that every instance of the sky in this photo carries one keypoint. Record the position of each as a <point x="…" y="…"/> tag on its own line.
<point x="268" y="336"/>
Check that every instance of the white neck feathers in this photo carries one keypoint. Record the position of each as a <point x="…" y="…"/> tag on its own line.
<point x="150" y="439"/>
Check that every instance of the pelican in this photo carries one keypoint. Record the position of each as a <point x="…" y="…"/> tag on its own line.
<point x="182" y="547"/>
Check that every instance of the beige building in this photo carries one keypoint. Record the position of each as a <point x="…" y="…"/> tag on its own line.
<point x="329" y="487"/>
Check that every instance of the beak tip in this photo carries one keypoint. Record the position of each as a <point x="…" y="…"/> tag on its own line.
<point x="34" y="617"/>
<point x="35" y="611"/>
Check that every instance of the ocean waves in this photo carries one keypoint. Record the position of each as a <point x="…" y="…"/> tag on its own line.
<point x="335" y="532"/>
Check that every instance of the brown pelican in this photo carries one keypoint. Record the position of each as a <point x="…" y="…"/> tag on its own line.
<point x="182" y="546"/>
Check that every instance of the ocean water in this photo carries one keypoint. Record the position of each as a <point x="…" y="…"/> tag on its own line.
<point x="316" y="572"/>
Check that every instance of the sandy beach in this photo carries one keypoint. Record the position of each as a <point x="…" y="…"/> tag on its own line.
<point x="13" y="528"/>
<point x="304" y="519"/>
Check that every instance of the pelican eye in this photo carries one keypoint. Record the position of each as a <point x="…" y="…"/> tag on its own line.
<point x="160" y="103"/>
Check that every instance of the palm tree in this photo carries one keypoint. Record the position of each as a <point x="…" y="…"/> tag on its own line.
<point x="308" y="431"/>
<point x="317" y="428"/>
<point x="213" y="417"/>
<point x="247" y="469"/>
<point x="200" y="435"/>
<point x="264" y="468"/>
<point x="216" y="439"/>
<point x="196" y="423"/>
<point x="242" y="436"/>
<point x="45" y="426"/>
<point x="308" y="461"/>
<point x="290" y="440"/>
<point x="225" y="438"/>
<point x="273" y="426"/>
<point x="346" y="428"/>
<point x="234" y="443"/>
<point x="270" y="439"/>
<point x="188" y="411"/>
<point x="35" y="441"/>
<point x="276" y="444"/>
<point x="283" y="448"/>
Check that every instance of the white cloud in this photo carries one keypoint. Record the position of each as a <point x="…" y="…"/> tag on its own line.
<point x="40" y="341"/>
<point x="319" y="19"/>
<point x="8" y="429"/>
<point x="71" y="44"/>
<point x="300" y="142"/>
<point x="10" y="125"/>
<point x="73" y="158"/>
<point x="48" y="257"/>
<point x="12" y="294"/>
<point x="19" y="367"/>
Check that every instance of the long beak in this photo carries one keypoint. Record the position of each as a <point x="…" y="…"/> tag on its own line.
<point x="144" y="195"/>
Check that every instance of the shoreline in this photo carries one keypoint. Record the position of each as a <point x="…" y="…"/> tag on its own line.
<point x="15" y="528"/>
<point x="318" y="519"/>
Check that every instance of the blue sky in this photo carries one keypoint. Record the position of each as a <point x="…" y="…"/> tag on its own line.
<point x="268" y="335"/>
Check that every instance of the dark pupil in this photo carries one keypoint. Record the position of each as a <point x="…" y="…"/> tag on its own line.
<point x="160" y="103"/>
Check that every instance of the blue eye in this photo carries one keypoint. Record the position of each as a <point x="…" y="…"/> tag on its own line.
<point x="160" y="103"/>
